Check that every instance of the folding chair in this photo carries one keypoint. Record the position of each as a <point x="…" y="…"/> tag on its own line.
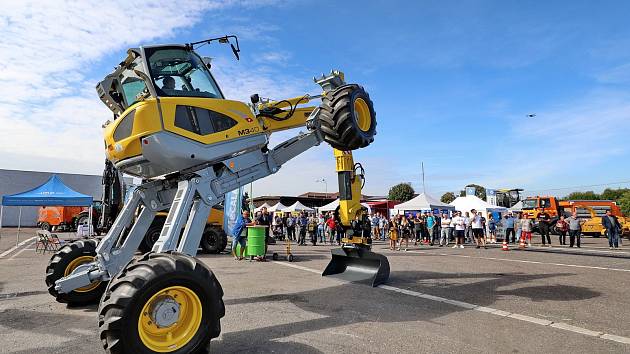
<point x="47" y="241"/>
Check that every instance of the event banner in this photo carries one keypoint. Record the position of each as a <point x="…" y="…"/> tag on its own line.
<point x="231" y="209"/>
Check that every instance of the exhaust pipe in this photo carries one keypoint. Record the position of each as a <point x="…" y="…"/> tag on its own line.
<point x="359" y="265"/>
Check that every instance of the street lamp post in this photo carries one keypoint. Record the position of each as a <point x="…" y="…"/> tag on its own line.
<point x="323" y="180"/>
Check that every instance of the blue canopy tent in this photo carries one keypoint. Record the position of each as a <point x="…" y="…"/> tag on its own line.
<point x="52" y="193"/>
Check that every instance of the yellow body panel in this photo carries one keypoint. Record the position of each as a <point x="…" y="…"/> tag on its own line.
<point x="146" y="121"/>
<point x="297" y="120"/>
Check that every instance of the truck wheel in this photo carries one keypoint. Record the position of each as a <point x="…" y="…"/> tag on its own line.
<point x="163" y="302"/>
<point x="347" y="118"/>
<point x="63" y="262"/>
<point x="152" y="235"/>
<point x="45" y="226"/>
<point x="213" y="240"/>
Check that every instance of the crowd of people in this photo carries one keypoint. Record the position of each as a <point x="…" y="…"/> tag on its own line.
<point x="307" y="227"/>
<point x="428" y="228"/>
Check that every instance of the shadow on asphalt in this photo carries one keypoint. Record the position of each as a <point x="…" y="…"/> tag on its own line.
<point x="351" y="303"/>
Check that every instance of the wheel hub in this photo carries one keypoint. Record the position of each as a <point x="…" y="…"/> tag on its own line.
<point x="165" y="312"/>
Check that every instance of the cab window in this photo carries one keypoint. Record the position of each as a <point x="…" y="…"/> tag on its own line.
<point x="202" y="121"/>
<point x="545" y="203"/>
<point x="125" y="127"/>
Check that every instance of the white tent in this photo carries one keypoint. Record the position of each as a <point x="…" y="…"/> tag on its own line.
<point x="297" y="206"/>
<point x="423" y="202"/>
<point x="278" y="207"/>
<point x="265" y="205"/>
<point x="332" y="206"/>
<point x="469" y="202"/>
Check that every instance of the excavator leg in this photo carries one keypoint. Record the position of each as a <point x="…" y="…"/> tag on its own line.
<point x="354" y="261"/>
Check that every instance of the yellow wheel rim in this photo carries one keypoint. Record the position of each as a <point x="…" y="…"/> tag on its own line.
<point x="73" y="265"/>
<point x="362" y="114"/>
<point x="176" y="335"/>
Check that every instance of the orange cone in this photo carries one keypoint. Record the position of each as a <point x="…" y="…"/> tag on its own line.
<point x="522" y="243"/>
<point x="505" y="246"/>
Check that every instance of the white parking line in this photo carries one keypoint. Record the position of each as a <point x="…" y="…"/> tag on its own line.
<point x="20" y="251"/>
<point x="522" y="261"/>
<point x="468" y="306"/>
<point x="17" y="246"/>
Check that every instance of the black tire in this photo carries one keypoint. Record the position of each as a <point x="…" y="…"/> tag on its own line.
<point x="213" y="240"/>
<point x="290" y="257"/>
<point x="45" y="226"/>
<point x="58" y="265"/>
<point x="128" y="292"/>
<point x="339" y="119"/>
<point x="152" y="235"/>
<point x="274" y="256"/>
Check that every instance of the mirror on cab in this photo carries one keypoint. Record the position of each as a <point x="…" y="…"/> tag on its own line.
<point x="207" y="61"/>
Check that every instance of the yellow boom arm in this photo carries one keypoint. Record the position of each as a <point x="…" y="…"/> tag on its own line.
<point x="350" y="183"/>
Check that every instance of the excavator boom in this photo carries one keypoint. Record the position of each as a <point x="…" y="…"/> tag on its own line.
<point x="354" y="261"/>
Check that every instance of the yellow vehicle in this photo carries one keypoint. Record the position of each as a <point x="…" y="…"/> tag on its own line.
<point x="190" y="145"/>
<point x="593" y="225"/>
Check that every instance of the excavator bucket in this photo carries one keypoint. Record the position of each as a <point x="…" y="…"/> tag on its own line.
<point x="359" y="265"/>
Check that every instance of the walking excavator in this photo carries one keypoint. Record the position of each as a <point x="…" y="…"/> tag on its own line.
<point x="173" y="128"/>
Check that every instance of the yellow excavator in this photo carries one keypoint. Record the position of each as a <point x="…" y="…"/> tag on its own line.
<point x="173" y="128"/>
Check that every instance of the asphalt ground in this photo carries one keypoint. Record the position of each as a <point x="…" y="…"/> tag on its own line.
<point x="436" y="300"/>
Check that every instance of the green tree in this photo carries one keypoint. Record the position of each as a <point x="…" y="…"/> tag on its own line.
<point x="480" y="191"/>
<point x="401" y="192"/>
<point x="614" y="194"/>
<point x="624" y="203"/>
<point x="447" y="197"/>
<point x="588" y="195"/>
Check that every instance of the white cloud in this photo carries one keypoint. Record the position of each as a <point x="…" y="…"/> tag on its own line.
<point x="49" y="112"/>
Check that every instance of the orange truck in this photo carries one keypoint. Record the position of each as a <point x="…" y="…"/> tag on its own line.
<point x="586" y="209"/>
<point x="64" y="218"/>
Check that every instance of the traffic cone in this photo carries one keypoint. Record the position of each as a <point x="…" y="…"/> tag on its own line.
<point x="505" y="246"/>
<point x="521" y="244"/>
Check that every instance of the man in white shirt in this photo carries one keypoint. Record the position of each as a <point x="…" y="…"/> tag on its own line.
<point x="460" y="229"/>
<point x="477" y="228"/>
<point x="446" y="231"/>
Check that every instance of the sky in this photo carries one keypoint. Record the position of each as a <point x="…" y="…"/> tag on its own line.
<point x="452" y="82"/>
